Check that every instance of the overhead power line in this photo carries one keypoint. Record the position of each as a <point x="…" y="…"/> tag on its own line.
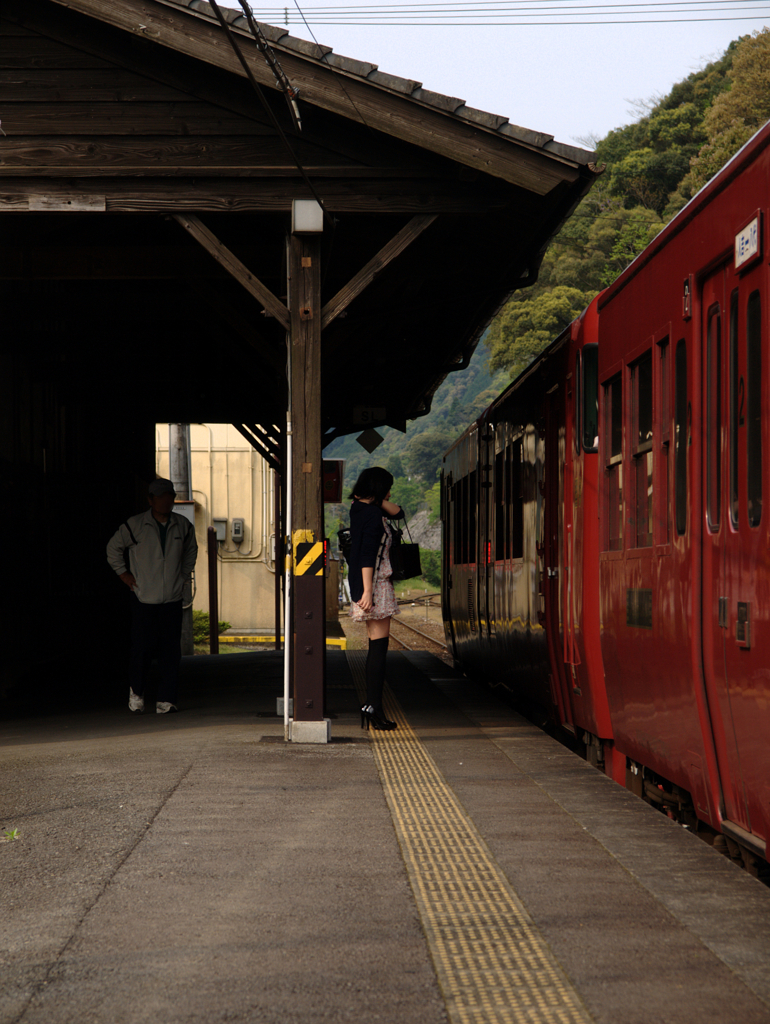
<point x="519" y="12"/>
<point x="527" y="5"/>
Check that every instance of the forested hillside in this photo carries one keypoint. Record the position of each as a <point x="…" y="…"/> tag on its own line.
<point x="414" y="458"/>
<point x="652" y="168"/>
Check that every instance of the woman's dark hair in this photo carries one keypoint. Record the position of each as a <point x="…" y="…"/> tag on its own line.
<point x="374" y="482"/>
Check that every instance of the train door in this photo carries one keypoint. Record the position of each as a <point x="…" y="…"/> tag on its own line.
<point x="568" y="452"/>
<point x="736" y="588"/>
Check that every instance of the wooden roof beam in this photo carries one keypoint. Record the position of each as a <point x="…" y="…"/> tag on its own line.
<point x="376" y="265"/>
<point x="233" y="265"/>
<point x="265" y="444"/>
<point x="123" y="194"/>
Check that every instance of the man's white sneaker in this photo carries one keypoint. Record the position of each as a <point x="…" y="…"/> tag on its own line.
<point x="135" y="703"/>
<point x="163" y="707"/>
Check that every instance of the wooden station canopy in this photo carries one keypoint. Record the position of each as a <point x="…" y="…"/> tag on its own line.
<point x="145" y="205"/>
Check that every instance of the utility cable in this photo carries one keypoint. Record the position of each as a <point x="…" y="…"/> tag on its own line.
<point x="519" y="5"/>
<point x="322" y="57"/>
<point x="266" y="50"/>
<point x="428" y="13"/>
<point x="268" y="109"/>
<point x="437" y="23"/>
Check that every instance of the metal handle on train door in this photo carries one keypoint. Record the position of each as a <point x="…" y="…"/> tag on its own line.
<point x="552" y="573"/>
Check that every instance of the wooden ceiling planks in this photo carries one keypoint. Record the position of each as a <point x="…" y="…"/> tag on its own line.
<point x="399" y="116"/>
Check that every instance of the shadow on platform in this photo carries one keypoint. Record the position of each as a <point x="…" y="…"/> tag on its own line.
<point x="243" y="684"/>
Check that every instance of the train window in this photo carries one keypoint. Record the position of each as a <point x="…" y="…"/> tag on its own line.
<point x="664" y="404"/>
<point x="734" y="409"/>
<point x="641" y="403"/>
<point x="613" y="406"/>
<point x="499" y="506"/>
<point x="577" y="405"/>
<point x="470" y="537"/>
<point x="589" y="414"/>
<point x="680" y="436"/>
<point x="461" y="519"/>
<point x="713" y="417"/>
<point x="664" y="420"/>
<point x="754" y="407"/>
<point x="515" y="532"/>
<point x="641" y="373"/>
<point x="458" y="515"/>
<point x="509" y="498"/>
<point x="464" y="526"/>
<point x="614" y="395"/>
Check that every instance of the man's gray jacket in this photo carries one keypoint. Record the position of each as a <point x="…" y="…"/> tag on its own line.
<point x="160" y="578"/>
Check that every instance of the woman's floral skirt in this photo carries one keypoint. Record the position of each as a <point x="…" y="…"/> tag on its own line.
<point x="385" y="604"/>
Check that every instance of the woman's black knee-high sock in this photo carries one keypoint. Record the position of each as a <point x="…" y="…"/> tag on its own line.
<point x="375" y="671"/>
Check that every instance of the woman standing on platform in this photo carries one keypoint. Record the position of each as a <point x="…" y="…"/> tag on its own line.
<point x="371" y="590"/>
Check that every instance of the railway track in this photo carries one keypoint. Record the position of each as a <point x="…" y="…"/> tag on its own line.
<point x="413" y="629"/>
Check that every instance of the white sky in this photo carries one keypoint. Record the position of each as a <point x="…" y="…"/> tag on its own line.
<point x="570" y="81"/>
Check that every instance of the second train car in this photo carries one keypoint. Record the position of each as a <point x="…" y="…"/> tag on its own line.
<point x="606" y="550"/>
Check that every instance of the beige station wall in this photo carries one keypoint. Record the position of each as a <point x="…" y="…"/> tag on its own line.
<point x="230" y="480"/>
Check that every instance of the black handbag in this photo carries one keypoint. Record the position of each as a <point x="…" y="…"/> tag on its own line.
<point x="404" y="557"/>
<point x="345" y="543"/>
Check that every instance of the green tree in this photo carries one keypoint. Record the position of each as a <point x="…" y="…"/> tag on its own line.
<point x="638" y="229"/>
<point x="525" y="327"/>
<point x="430" y="563"/>
<point x="680" y="127"/>
<point x="433" y="498"/>
<point x="424" y="452"/>
<point x="408" y="494"/>
<point x="395" y="465"/>
<point x="734" y="115"/>
<point x="701" y="87"/>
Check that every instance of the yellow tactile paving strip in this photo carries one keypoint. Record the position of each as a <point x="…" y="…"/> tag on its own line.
<point x="492" y="964"/>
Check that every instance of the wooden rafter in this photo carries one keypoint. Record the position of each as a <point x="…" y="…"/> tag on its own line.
<point x="263" y="443"/>
<point x="233" y="266"/>
<point x="367" y="274"/>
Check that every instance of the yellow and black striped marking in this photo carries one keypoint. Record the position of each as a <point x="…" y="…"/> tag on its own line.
<point x="492" y="963"/>
<point x="309" y="559"/>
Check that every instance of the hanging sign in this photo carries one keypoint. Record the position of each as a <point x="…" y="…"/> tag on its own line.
<point x="747" y="243"/>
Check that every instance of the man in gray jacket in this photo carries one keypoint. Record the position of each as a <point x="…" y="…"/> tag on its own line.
<point x="162" y="550"/>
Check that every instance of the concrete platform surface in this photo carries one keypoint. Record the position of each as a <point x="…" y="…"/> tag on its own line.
<point x="195" y="868"/>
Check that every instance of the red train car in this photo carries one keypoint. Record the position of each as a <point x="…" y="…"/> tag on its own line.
<point x="606" y="549"/>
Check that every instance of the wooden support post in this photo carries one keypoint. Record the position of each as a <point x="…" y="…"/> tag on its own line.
<point x="309" y="626"/>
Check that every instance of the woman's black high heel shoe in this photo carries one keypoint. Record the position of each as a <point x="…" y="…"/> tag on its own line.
<point x="376" y="719"/>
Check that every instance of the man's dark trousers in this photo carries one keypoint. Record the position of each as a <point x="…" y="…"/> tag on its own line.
<point x="156" y="631"/>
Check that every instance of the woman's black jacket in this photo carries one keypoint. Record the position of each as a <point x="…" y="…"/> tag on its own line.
<point x="366" y="533"/>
